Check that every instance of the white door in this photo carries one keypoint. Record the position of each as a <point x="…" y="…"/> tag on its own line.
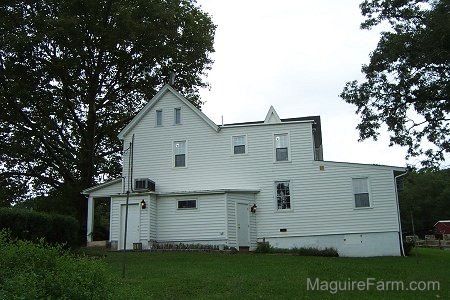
<point x="243" y="225"/>
<point x="132" y="228"/>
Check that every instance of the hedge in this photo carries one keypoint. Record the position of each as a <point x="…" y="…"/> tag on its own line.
<point x="35" y="270"/>
<point x="32" y="226"/>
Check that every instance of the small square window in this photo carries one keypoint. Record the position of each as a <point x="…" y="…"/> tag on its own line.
<point x="283" y="195"/>
<point x="177" y="116"/>
<point x="239" y="144"/>
<point x="159" y="118"/>
<point x="187" y="204"/>
<point x="361" y="192"/>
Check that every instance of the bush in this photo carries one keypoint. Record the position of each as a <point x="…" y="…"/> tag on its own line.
<point x="263" y="247"/>
<point x="329" y="252"/>
<point x="32" y="226"/>
<point x="39" y="271"/>
<point x="407" y="247"/>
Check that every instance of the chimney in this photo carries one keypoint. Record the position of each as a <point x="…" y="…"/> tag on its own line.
<point x="172" y="75"/>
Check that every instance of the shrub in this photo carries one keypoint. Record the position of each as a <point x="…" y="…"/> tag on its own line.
<point x="39" y="271"/>
<point x="263" y="247"/>
<point x="32" y="226"/>
<point x="309" y="251"/>
<point x="407" y="247"/>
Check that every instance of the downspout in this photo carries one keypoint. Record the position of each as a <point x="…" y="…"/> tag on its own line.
<point x="398" y="213"/>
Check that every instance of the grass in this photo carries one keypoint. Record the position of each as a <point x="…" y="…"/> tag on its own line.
<point x="188" y="275"/>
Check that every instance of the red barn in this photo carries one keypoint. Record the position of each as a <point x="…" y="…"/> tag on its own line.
<point x="442" y="227"/>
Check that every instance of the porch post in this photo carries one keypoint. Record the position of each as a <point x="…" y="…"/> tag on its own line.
<point x="90" y="219"/>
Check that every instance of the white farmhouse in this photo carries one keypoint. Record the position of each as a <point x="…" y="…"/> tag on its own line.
<point x="192" y="181"/>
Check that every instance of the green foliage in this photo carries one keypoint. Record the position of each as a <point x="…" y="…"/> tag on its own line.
<point x="73" y="74"/>
<point x="407" y="82"/>
<point x="426" y="194"/>
<point x="263" y="247"/>
<point x="407" y="247"/>
<point x="38" y="271"/>
<point x="310" y="251"/>
<point x="32" y="226"/>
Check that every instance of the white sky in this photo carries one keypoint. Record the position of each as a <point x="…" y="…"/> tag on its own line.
<point x="296" y="56"/>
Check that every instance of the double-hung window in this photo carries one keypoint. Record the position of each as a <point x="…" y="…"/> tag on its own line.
<point x="281" y="147"/>
<point x="239" y="144"/>
<point x="361" y="192"/>
<point x="283" y="195"/>
<point x="179" y="150"/>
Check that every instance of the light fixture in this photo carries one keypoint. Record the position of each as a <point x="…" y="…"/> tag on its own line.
<point x="253" y="208"/>
<point x="143" y="204"/>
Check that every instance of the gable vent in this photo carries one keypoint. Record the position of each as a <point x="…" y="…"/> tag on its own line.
<point x="144" y="184"/>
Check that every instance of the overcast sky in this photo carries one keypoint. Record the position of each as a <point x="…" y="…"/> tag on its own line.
<point x="295" y="55"/>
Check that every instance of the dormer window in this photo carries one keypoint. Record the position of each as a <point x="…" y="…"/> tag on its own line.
<point x="177" y="115"/>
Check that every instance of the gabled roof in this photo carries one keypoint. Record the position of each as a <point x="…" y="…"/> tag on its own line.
<point x="272" y="116"/>
<point x="101" y="186"/>
<point x="166" y="89"/>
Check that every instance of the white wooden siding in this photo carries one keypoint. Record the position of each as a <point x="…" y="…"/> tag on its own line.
<point x="205" y="223"/>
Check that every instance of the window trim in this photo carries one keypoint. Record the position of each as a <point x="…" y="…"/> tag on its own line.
<point x="275" y="189"/>
<point x="275" y="148"/>
<point x="245" y="144"/>
<point x="175" y="110"/>
<point x="159" y="111"/>
<point x="186" y="208"/>
<point x="185" y="154"/>
<point x="369" y="192"/>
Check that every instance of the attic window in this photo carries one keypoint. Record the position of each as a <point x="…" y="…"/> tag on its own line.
<point x="177" y="115"/>
<point x="159" y="117"/>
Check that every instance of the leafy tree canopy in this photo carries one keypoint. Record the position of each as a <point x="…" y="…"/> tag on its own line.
<point x="74" y="72"/>
<point x="425" y="195"/>
<point x="407" y="84"/>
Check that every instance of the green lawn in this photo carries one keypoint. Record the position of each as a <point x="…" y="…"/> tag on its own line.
<point x="183" y="275"/>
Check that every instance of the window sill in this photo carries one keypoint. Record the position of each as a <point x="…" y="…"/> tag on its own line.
<point x="284" y="211"/>
<point x="282" y="161"/>
<point x="362" y="208"/>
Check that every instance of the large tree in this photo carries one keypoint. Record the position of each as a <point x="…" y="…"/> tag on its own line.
<point x="426" y="196"/>
<point x="407" y="82"/>
<point x="74" y="72"/>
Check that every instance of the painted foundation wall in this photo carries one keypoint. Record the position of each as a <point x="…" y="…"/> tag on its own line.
<point x="351" y="245"/>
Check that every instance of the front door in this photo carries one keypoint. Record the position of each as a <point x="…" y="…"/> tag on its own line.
<point x="243" y="226"/>
<point x="133" y="225"/>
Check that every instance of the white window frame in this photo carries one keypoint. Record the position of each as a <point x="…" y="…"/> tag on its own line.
<point x="186" y="208"/>
<point x="368" y="192"/>
<point x="175" y="110"/>
<point x="185" y="153"/>
<point x="275" y="135"/>
<point x="245" y="144"/>
<point x="159" y="112"/>
<point x="275" y="191"/>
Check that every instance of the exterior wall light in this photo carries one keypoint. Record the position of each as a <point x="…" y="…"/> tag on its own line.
<point x="143" y="204"/>
<point x="253" y="208"/>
